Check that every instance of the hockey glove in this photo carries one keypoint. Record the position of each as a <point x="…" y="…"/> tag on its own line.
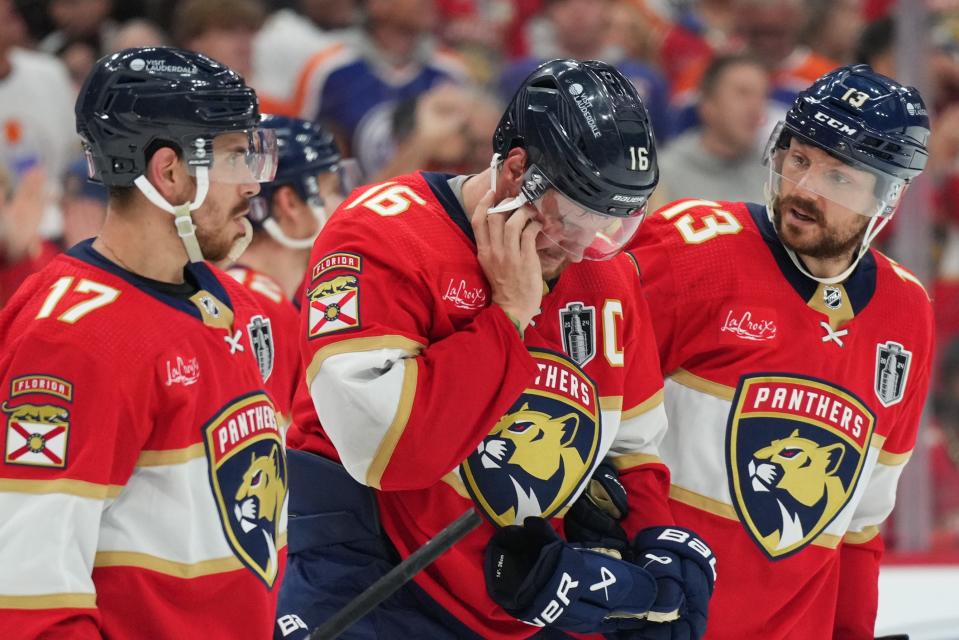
<point x="540" y="579"/>
<point x="593" y="520"/>
<point x="685" y="571"/>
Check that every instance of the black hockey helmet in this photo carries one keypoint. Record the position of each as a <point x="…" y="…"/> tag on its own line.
<point x="137" y="100"/>
<point x="586" y="128"/>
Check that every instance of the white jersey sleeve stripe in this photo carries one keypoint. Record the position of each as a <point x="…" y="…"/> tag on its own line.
<point x="363" y="401"/>
<point x="42" y="560"/>
<point x="358" y="345"/>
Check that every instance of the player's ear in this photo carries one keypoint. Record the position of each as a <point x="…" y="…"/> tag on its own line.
<point x="290" y="212"/>
<point x="511" y="174"/>
<point x="168" y="174"/>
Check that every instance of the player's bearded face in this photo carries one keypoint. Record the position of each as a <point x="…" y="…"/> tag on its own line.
<point x="807" y="229"/>
<point x="219" y="222"/>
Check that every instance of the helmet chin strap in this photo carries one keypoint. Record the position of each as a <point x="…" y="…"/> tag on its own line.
<point x="876" y="224"/>
<point x="241" y="243"/>
<point x="272" y="228"/>
<point x="182" y="217"/>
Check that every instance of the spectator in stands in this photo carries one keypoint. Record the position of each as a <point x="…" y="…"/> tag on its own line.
<point x="449" y="129"/>
<point x="36" y="114"/>
<point x="721" y="158"/>
<point x="79" y="21"/>
<point x="220" y="29"/>
<point x="577" y="29"/>
<point x="770" y="30"/>
<point x="289" y="38"/>
<point x="353" y="87"/>
<point x="943" y="440"/>
<point x="833" y="28"/>
<point x="84" y="205"/>
<point x="137" y="33"/>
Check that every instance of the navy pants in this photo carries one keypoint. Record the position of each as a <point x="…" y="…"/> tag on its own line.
<point x="335" y="551"/>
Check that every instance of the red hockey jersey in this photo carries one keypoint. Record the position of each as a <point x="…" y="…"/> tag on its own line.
<point x="144" y="476"/>
<point x="793" y="407"/>
<point x="279" y="365"/>
<point x="425" y="391"/>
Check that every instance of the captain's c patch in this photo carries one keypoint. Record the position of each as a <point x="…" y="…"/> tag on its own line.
<point x="334" y="305"/>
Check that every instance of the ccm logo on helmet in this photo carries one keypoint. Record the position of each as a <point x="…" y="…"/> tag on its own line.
<point x="835" y="124"/>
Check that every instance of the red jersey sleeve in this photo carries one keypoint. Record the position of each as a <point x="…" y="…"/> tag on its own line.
<point x="402" y="399"/>
<point x="70" y="443"/>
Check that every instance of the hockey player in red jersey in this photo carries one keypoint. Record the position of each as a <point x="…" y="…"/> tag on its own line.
<point x="311" y="181"/>
<point x="144" y="477"/>
<point x="797" y="362"/>
<point x="480" y="340"/>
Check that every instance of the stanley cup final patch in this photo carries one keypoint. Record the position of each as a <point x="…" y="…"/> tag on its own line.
<point x="892" y="371"/>
<point x="577" y="324"/>
<point x="261" y="337"/>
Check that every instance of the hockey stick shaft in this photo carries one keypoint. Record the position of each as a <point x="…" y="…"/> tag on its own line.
<point x="397" y="577"/>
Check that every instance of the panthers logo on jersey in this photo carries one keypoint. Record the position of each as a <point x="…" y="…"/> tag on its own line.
<point x="536" y="458"/>
<point x="795" y="449"/>
<point x="249" y="481"/>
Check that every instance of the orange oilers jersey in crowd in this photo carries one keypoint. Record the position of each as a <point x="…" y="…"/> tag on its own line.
<point x="793" y="407"/>
<point x="143" y="482"/>
<point x="280" y="366"/>
<point x="413" y="371"/>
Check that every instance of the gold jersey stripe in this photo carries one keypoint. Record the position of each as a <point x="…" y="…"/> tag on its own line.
<point x="150" y="458"/>
<point x="723" y="510"/>
<point x="708" y="387"/>
<point x="648" y="404"/>
<point x="861" y="537"/>
<point x="374" y="475"/>
<point x="453" y="480"/>
<point x="611" y="403"/>
<point x="182" y="570"/>
<point x="50" y="601"/>
<point x="893" y="459"/>
<point x="630" y="460"/>
<point x="79" y="488"/>
<point x="357" y="345"/>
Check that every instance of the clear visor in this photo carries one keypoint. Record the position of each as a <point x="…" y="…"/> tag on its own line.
<point x="582" y="233"/>
<point x="804" y="170"/>
<point x="242" y="157"/>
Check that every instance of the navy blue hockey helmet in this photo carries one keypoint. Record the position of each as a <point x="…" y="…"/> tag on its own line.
<point x="140" y="99"/>
<point x="866" y="119"/>
<point x="872" y="125"/>
<point x="309" y="162"/>
<point x="587" y="135"/>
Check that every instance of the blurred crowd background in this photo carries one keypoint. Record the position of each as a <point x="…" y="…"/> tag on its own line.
<point x="420" y="84"/>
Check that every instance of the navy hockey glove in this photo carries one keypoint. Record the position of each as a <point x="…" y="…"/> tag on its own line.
<point x="685" y="570"/>
<point x="540" y="579"/>
<point x="593" y="520"/>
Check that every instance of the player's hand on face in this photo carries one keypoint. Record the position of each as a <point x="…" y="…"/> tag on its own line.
<point x="506" y="248"/>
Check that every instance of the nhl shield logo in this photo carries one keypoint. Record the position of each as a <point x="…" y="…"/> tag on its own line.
<point x="261" y="337"/>
<point x="892" y="370"/>
<point x="795" y="448"/>
<point x="538" y="455"/>
<point x="248" y="477"/>
<point x="832" y="297"/>
<point x="577" y="324"/>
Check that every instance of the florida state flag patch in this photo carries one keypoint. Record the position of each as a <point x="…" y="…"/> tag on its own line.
<point x="37" y="434"/>
<point x="334" y="305"/>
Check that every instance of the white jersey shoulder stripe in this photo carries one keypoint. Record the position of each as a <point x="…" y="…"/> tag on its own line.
<point x="359" y="345"/>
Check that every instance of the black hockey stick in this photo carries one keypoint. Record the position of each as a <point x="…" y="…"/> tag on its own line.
<point x="397" y="577"/>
